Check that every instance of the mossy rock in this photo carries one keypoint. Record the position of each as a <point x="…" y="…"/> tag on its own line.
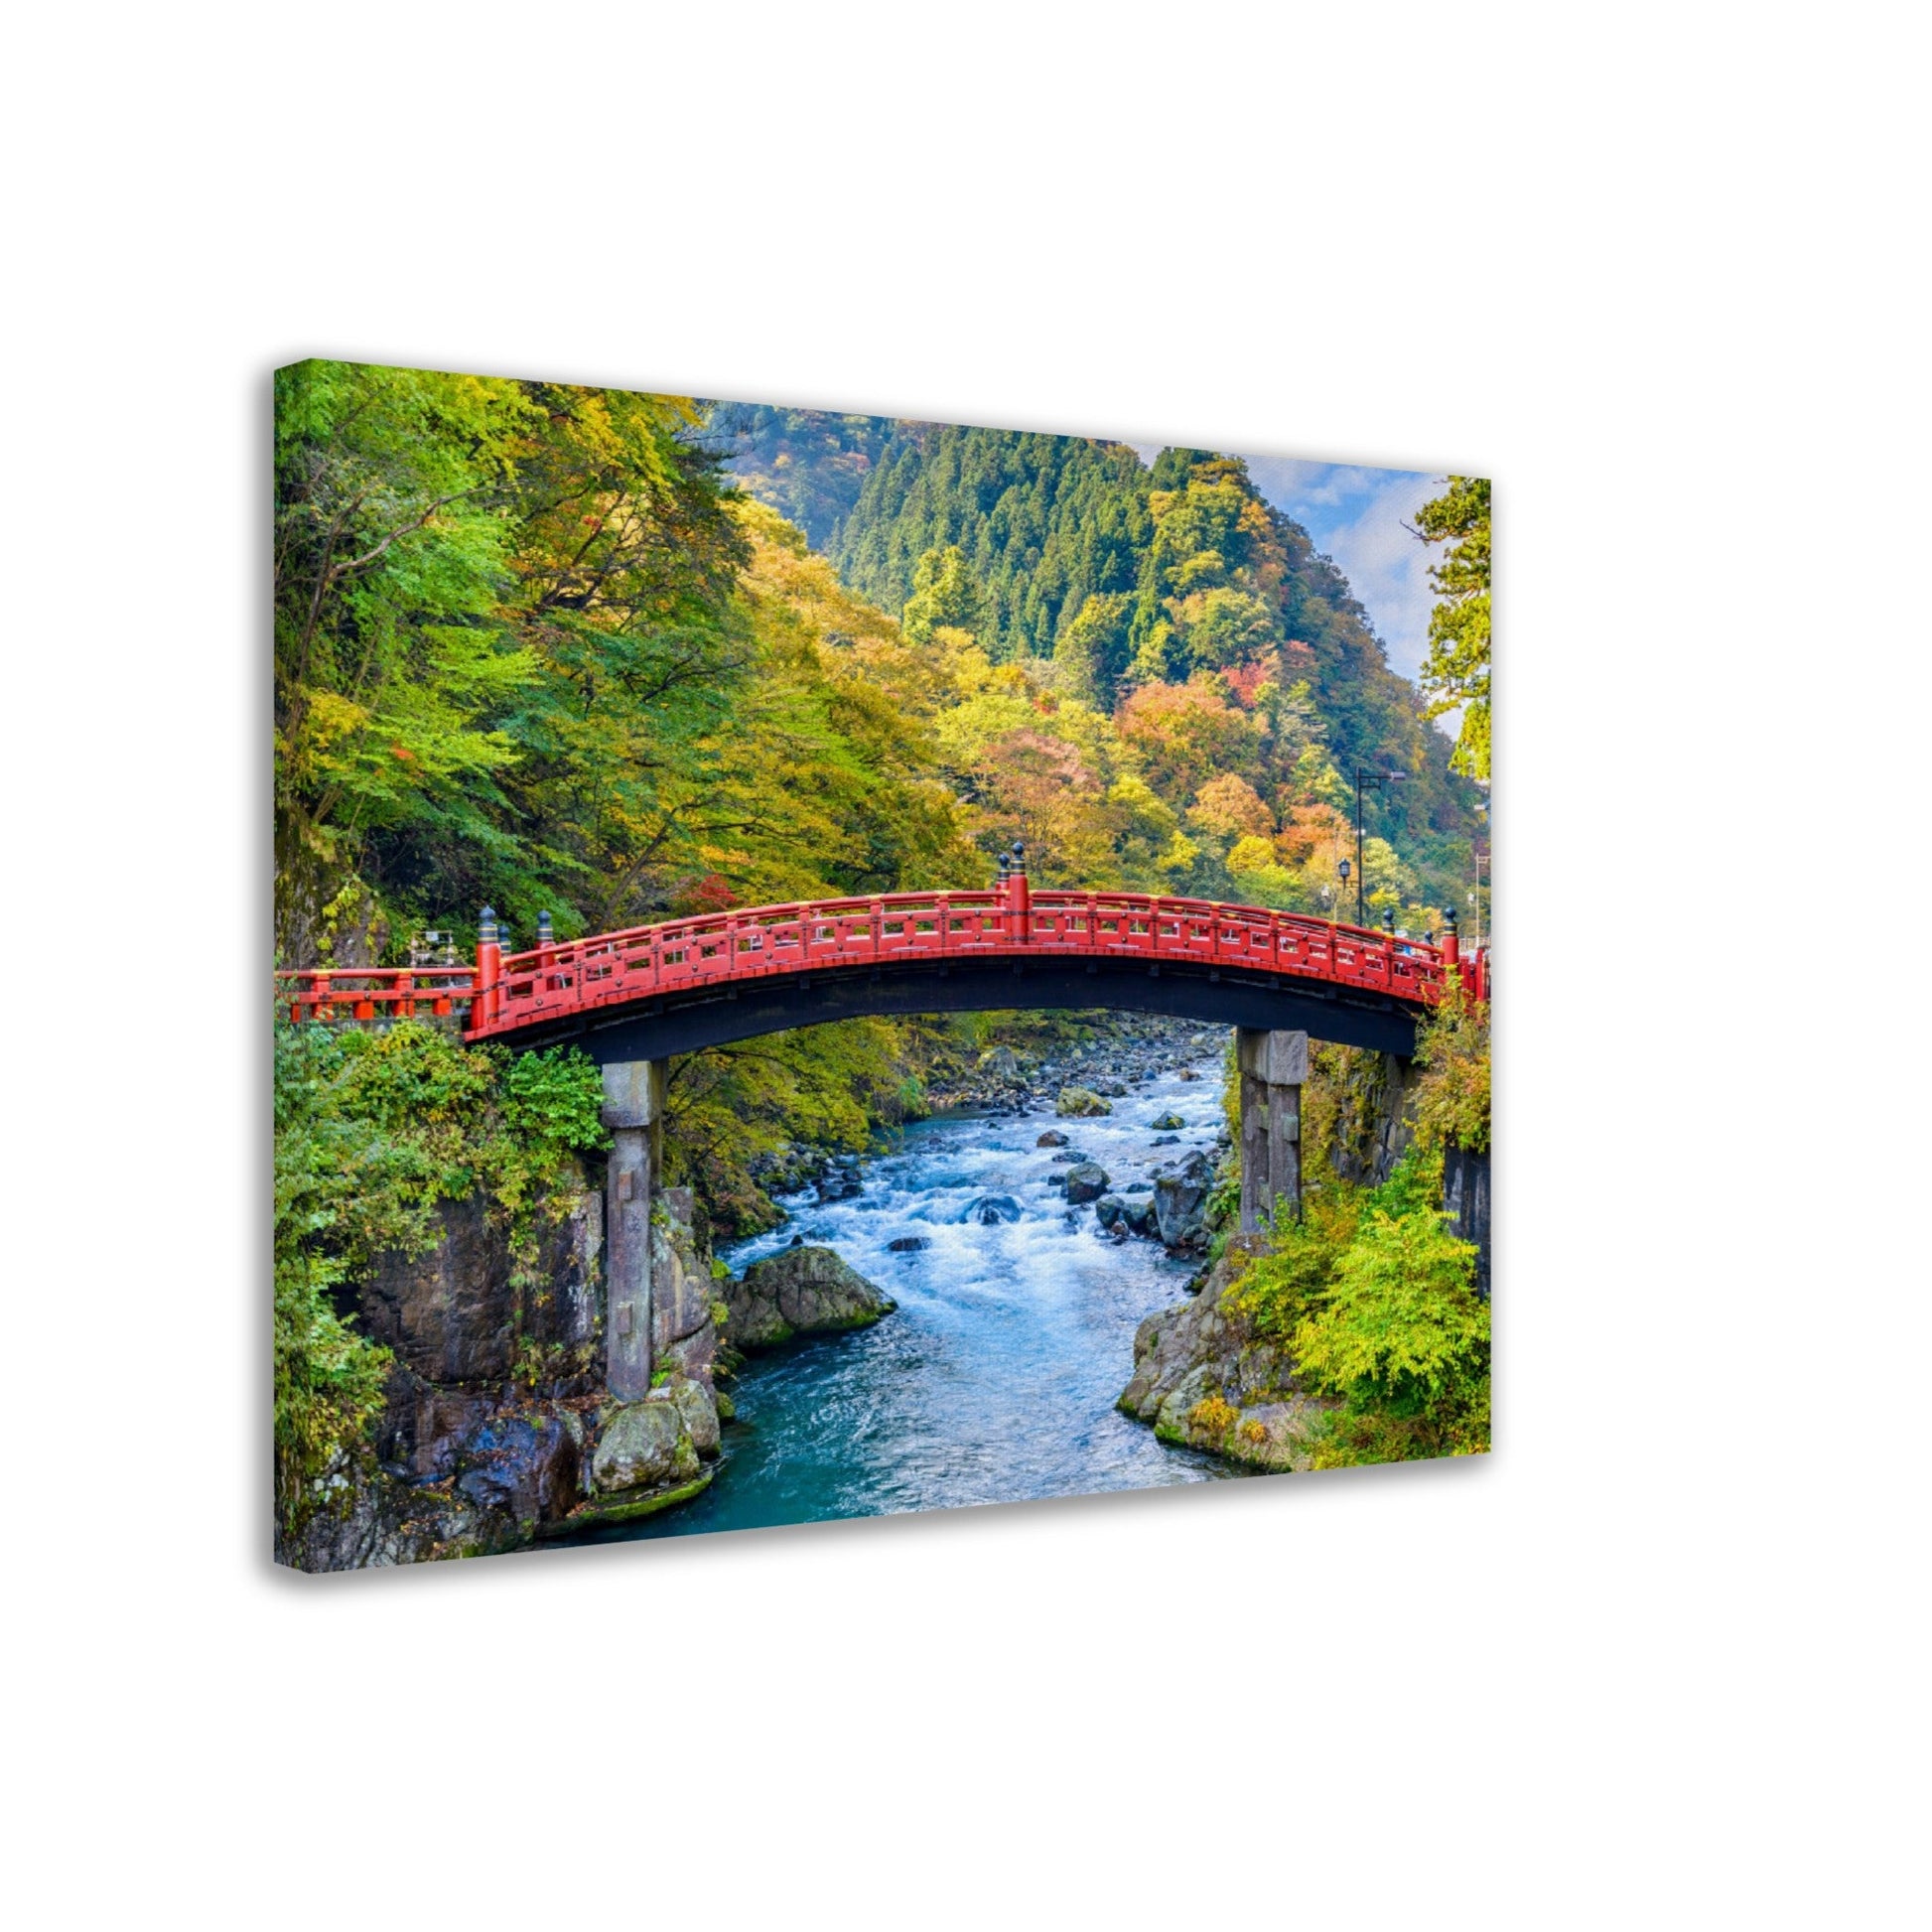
<point x="802" y="1291"/>
<point x="629" y="1508"/>
<point x="1081" y="1103"/>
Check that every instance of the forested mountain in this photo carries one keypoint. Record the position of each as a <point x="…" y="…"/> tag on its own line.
<point x="1163" y="626"/>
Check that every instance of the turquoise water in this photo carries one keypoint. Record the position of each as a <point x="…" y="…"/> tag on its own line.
<point x="995" y="1380"/>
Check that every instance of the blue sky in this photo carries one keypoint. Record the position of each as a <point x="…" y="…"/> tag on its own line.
<point x="1357" y="517"/>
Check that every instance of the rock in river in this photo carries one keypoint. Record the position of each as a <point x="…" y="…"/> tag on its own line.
<point x="799" y="1292"/>
<point x="1169" y="1123"/>
<point x="1087" y="1182"/>
<point x="991" y="1209"/>
<point x="908" y="1244"/>
<point x="1051" y="1138"/>
<point x="1180" y="1202"/>
<point x="644" y="1444"/>
<point x="1081" y="1103"/>
<point x="1130" y="1217"/>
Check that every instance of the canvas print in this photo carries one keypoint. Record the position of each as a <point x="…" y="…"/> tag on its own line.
<point x="831" y="965"/>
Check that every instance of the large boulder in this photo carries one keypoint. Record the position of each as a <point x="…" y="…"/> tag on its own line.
<point x="1081" y="1103"/>
<point x="1180" y="1202"/>
<point x="999" y="1063"/>
<point x="644" y="1445"/>
<point x="1087" y="1182"/>
<point x="1167" y="1123"/>
<point x="799" y="1292"/>
<point x="1051" y="1138"/>
<point x="1207" y="1379"/>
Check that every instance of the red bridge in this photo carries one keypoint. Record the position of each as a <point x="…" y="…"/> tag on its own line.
<point x="651" y="991"/>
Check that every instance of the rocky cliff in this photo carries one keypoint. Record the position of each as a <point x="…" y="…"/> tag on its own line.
<point x="497" y="1428"/>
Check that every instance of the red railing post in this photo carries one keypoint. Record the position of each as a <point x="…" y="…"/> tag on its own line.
<point x="1020" y="899"/>
<point x="1452" y="945"/>
<point x="489" y="967"/>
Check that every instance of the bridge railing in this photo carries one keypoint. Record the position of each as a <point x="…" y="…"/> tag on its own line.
<point x="553" y="980"/>
<point x="376" y="992"/>
<point x="1237" y="935"/>
<point x="575" y="976"/>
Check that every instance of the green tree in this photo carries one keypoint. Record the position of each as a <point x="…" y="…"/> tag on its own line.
<point x="1456" y="670"/>
<point x="1093" y="648"/>
<point x="944" y="592"/>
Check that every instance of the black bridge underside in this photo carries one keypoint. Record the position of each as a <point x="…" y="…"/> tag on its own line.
<point x="683" y="1023"/>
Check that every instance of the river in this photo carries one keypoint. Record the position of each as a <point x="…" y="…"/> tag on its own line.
<point x="995" y="1380"/>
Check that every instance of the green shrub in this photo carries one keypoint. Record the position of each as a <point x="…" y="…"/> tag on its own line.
<point x="1401" y="1323"/>
<point x="1377" y="1305"/>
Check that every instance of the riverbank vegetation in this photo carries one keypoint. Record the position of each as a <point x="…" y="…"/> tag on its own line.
<point x="1373" y="1296"/>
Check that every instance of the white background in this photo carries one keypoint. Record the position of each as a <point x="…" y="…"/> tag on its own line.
<point x="1659" y="1660"/>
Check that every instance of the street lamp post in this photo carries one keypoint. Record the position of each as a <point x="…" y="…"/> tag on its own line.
<point x="1363" y="781"/>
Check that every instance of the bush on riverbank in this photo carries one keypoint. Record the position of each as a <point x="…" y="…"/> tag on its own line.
<point x="372" y="1131"/>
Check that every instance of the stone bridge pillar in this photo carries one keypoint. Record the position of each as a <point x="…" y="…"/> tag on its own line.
<point x="633" y="1111"/>
<point x="1274" y="1066"/>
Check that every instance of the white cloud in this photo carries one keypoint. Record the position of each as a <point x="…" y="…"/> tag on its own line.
<point x="1360" y="519"/>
